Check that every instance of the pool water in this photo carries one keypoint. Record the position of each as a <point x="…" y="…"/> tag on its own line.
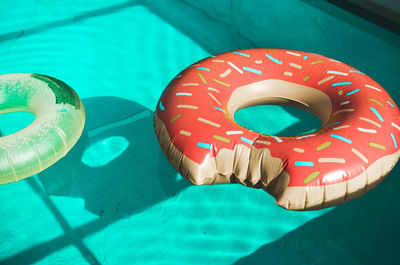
<point x="114" y="199"/>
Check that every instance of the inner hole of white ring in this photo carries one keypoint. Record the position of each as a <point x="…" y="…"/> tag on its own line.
<point x="12" y="122"/>
<point x="283" y="93"/>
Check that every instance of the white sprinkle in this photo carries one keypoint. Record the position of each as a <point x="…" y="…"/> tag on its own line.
<point x="336" y="72"/>
<point x="366" y="130"/>
<point x="293" y="53"/>
<point x="288" y="73"/>
<point x="226" y="73"/>
<point x="298" y="150"/>
<point x="343" y="110"/>
<point x="333" y="60"/>
<point x="325" y="79"/>
<point x="258" y="61"/>
<point x="190" y="84"/>
<point x="373" y="87"/>
<point x="213" y="89"/>
<point x="186" y="107"/>
<point x="305" y="136"/>
<point x="396" y="126"/>
<point x="263" y="142"/>
<point x="331" y="160"/>
<point x="296" y="65"/>
<point x="216" y="100"/>
<point x="209" y="122"/>
<point x="177" y="76"/>
<point x="236" y="68"/>
<point x="279" y="140"/>
<point x="218" y="61"/>
<point x="370" y="121"/>
<point x="234" y="132"/>
<point x="341" y="127"/>
<point x="363" y="158"/>
<point x="183" y="94"/>
<point x="183" y="132"/>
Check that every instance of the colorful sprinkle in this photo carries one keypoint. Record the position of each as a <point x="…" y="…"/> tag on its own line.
<point x="202" y="78"/>
<point x="377" y="113"/>
<point x="209" y="122"/>
<point x="334" y="123"/>
<point x="305" y="57"/>
<point x="370" y="121"/>
<point x="324" y="145"/>
<point x="360" y="155"/>
<point x="341" y="138"/>
<point x="243" y="54"/>
<point x="186" y="107"/>
<point x="352" y="92"/>
<point x="226" y="73"/>
<point x="186" y="133"/>
<point x="234" y="132"/>
<point x="311" y="177"/>
<point x="252" y="70"/>
<point x="390" y="103"/>
<point x="221" y="138"/>
<point x="220" y="109"/>
<point x="394" y="140"/>
<point x="331" y="160"/>
<point x="373" y="88"/>
<point x="316" y="62"/>
<point x="325" y="79"/>
<point x="273" y="59"/>
<point x="221" y="83"/>
<point x="341" y="84"/>
<point x="162" y="108"/>
<point x="250" y="142"/>
<point x="216" y="100"/>
<point x="336" y="72"/>
<point x="293" y="53"/>
<point x="175" y="118"/>
<point x="235" y="67"/>
<point x="303" y="164"/>
<point x="376" y="101"/>
<point x="366" y="130"/>
<point x="379" y="146"/>
<point x="204" y="145"/>
<point x="306" y="78"/>
<point x="344" y="103"/>
<point x="298" y="150"/>
<point x="295" y="65"/>
<point x="203" y="68"/>
<point x="183" y="94"/>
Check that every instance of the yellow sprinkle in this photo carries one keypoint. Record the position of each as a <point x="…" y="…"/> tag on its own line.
<point x="311" y="177"/>
<point x="376" y="101"/>
<point x="341" y="127"/>
<point x="306" y="78"/>
<point x="323" y="146"/>
<point x="295" y="65"/>
<point x="223" y="139"/>
<point x="379" y="146"/>
<point x="263" y="142"/>
<point x="202" y="78"/>
<point x="183" y="132"/>
<point x="325" y="79"/>
<point x="340" y="92"/>
<point x="175" y="118"/>
<point x="343" y="110"/>
<point x="221" y="83"/>
<point x="171" y="87"/>
<point x="315" y="62"/>
<point x="298" y="150"/>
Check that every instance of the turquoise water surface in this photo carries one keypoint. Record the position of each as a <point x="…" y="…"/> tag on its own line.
<point x="114" y="199"/>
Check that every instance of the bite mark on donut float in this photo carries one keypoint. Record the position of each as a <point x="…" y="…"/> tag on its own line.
<point x="196" y="130"/>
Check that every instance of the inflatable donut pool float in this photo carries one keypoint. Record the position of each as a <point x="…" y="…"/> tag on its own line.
<point x="59" y="122"/>
<point x="356" y="147"/>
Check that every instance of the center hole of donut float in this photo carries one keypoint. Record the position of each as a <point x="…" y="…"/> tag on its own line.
<point x="277" y="120"/>
<point x="15" y="121"/>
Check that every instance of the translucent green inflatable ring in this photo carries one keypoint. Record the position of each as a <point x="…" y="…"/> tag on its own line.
<point x="59" y="122"/>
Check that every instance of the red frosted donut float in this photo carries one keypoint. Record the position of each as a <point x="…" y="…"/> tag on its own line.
<point x="356" y="147"/>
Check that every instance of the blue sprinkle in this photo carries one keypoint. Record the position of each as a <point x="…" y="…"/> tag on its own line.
<point x="246" y="140"/>
<point x="305" y="57"/>
<point x="354" y="71"/>
<point x="390" y="103"/>
<point x="341" y="138"/>
<point x="377" y="114"/>
<point x="304" y="164"/>
<point x="334" y="123"/>
<point x="352" y="92"/>
<point x="273" y="59"/>
<point x="162" y="108"/>
<point x="204" y="145"/>
<point x="252" y="70"/>
<point x="394" y="140"/>
<point x="220" y="109"/>
<point x="203" y="68"/>
<point x="341" y="84"/>
<point x="243" y="54"/>
<point x="63" y="110"/>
